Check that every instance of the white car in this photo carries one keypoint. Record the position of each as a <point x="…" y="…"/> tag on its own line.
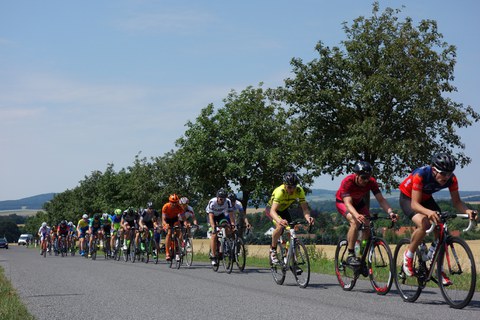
<point x="24" y="238"/>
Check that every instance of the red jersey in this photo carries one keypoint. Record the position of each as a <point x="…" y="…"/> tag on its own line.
<point x="348" y="188"/>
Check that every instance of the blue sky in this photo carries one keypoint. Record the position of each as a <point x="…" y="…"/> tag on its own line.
<point x="87" y="83"/>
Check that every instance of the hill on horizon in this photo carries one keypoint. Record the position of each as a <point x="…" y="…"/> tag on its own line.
<point x="30" y="203"/>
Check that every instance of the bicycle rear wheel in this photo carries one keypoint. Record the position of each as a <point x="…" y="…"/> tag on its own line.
<point x="345" y="273"/>
<point x="279" y="270"/>
<point x="301" y="264"/>
<point x="178" y="253"/>
<point x="456" y="261"/>
<point x="380" y="266"/>
<point x="240" y="254"/>
<point x="408" y="287"/>
<point x="188" y="252"/>
<point x="230" y="254"/>
<point x="131" y="251"/>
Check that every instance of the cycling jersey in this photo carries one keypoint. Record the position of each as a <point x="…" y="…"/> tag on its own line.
<point x="422" y="179"/>
<point x="131" y="219"/>
<point x="116" y="221"/>
<point x="284" y="199"/>
<point x="83" y="225"/>
<point x="44" y="232"/>
<point x="148" y="217"/>
<point x="217" y="209"/>
<point x="63" y="229"/>
<point x="94" y="224"/>
<point x="171" y="211"/>
<point x="187" y="214"/>
<point x="348" y="188"/>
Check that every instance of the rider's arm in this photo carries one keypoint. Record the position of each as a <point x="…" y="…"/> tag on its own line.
<point x="306" y="212"/>
<point x="385" y="205"/>
<point x="212" y="221"/>
<point x="348" y="200"/>
<point x="460" y="206"/>
<point x="418" y="208"/>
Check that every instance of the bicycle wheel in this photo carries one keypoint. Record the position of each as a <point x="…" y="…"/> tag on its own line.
<point x="188" y="252"/>
<point x="279" y="270"/>
<point x="345" y="273"/>
<point x="230" y="254"/>
<point x="409" y="288"/>
<point x="456" y="261"/>
<point x="301" y="264"/>
<point x="240" y="254"/>
<point x="178" y="253"/>
<point x="380" y="266"/>
<point x="172" y="252"/>
<point x="132" y="248"/>
<point x="94" y="250"/>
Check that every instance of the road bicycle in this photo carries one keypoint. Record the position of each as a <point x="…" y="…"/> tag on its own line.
<point x="106" y="245"/>
<point x="187" y="245"/>
<point x="293" y="256"/>
<point x="72" y="248"/>
<point x="452" y="257"/>
<point x="175" y="248"/>
<point x="150" y="247"/>
<point x="375" y="262"/>
<point x="234" y="252"/>
<point x="62" y="245"/>
<point x="94" y="247"/>
<point x="117" y="245"/>
<point x="130" y="252"/>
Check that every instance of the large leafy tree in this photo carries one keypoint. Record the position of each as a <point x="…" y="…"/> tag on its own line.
<point x="247" y="144"/>
<point x="382" y="97"/>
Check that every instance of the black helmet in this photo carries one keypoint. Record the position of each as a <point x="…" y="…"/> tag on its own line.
<point x="96" y="216"/>
<point x="290" y="179"/>
<point x="221" y="193"/>
<point x="232" y="197"/>
<point x="443" y="162"/>
<point x="150" y="204"/>
<point x="362" y="167"/>
<point x="63" y="223"/>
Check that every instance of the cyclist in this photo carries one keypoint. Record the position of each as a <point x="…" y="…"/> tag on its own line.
<point x="187" y="214"/>
<point x="129" y="222"/>
<point x="351" y="204"/>
<point x="53" y="238"/>
<point x="106" y="223"/>
<point x="63" y="230"/>
<point x="170" y="212"/>
<point x="240" y="214"/>
<point x="419" y="206"/>
<point x="277" y="208"/>
<point x="94" y="227"/>
<point x="72" y="233"/>
<point x="116" y="223"/>
<point x="149" y="221"/>
<point x="220" y="212"/>
<point x="44" y="234"/>
<point x="82" y="228"/>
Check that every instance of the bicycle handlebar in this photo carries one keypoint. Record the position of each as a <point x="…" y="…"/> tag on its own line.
<point x="446" y="215"/>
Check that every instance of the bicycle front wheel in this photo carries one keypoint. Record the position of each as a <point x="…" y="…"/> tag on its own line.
<point x="240" y="254"/>
<point x="301" y="264"/>
<point x="456" y="272"/>
<point x="345" y="273"/>
<point x="188" y="252"/>
<point x="279" y="270"/>
<point x="380" y="266"/>
<point x="178" y="253"/>
<point x="408" y="287"/>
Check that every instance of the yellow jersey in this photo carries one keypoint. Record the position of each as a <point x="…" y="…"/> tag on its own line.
<point x="284" y="199"/>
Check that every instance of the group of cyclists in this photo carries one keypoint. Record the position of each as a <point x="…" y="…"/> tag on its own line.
<point x="416" y="202"/>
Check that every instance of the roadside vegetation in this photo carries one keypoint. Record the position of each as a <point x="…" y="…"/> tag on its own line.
<point x="11" y="307"/>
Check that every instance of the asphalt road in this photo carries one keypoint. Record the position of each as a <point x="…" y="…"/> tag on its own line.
<point x="77" y="288"/>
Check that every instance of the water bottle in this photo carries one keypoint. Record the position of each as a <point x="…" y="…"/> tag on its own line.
<point x="423" y="251"/>
<point x="363" y="245"/>
<point x="431" y="251"/>
<point x="357" y="248"/>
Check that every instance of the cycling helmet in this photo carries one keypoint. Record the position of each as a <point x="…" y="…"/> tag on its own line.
<point x="85" y="216"/>
<point x="443" y="162"/>
<point x="70" y="224"/>
<point x="221" y="193"/>
<point x="63" y="223"/>
<point x="173" y="198"/>
<point x="96" y="216"/>
<point x="105" y="216"/>
<point x="150" y="205"/>
<point x="232" y="197"/>
<point x="183" y="200"/>
<point x="44" y="224"/>
<point x="362" y="167"/>
<point x="290" y="179"/>
<point x="118" y="212"/>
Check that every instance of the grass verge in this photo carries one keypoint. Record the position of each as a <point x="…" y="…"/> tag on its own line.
<point x="11" y="307"/>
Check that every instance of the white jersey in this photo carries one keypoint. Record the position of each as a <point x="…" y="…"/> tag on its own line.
<point x="189" y="213"/>
<point x="44" y="232"/>
<point x="238" y="208"/>
<point x="217" y="209"/>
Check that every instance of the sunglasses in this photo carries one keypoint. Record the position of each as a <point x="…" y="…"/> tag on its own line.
<point x="365" y="176"/>
<point x="445" y="174"/>
<point x="290" y="187"/>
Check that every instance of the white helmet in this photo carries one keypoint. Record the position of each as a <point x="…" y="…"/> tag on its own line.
<point x="105" y="216"/>
<point x="85" y="216"/>
<point x="183" y="200"/>
<point x="44" y="224"/>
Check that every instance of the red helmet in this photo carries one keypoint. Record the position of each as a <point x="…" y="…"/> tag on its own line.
<point x="173" y="198"/>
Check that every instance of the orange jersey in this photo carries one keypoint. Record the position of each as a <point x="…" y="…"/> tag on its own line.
<point x="171" y="211"/>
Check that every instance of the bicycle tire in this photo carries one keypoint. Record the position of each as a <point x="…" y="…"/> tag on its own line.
<point x="346" y="274"/>
<point x="94" y="250"/>
<point x="279" y="270"/>
<point x="301" y="264"/>
<point x="216" y="266"/>
<point x="188" y="252"/>
<point x="230" y="254"/>
<point x="178" y="253"/>
<point x="379" y="263"/>
<point x="409" y="288"/>
<point x="132" y="256"/>
<point x="240" y="254"/>
<point x="456" y="260"/>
